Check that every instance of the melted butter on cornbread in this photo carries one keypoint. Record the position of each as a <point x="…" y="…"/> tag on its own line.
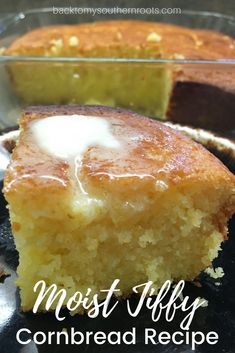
<point x="68" y="137"/>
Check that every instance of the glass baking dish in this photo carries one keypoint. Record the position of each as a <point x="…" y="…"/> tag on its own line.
<point x="109" y="81"/>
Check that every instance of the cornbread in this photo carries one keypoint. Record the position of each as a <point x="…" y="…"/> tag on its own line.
<point x="204" y="302"/>
<point x="216" y="273"/>
<point x="129" y="198"/>
<point x="200" y="95"/>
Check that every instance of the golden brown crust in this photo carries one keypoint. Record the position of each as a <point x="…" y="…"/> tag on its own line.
<point x="121" y="38"/>
<point x="135" y="39"/>
<point x="150" y="150"/>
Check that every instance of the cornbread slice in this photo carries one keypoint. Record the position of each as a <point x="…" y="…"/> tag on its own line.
<point x="155" y="89"/>
<point x="97" y="194"/>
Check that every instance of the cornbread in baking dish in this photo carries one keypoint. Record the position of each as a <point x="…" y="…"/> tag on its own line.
<point x="200" y="95"/>
<point x="97" y="194"/>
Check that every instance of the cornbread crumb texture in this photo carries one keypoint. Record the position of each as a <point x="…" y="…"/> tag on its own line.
<point x="73" y="41"/>
<point x="2" y="50"/>
<point x="144" y="209"/>
<point x="154" y="37"/>
<point x="215" y="273"/>
<point x="203" y="302"/>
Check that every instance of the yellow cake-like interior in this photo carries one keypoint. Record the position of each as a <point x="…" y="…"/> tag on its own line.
<point x="164" y="218"/>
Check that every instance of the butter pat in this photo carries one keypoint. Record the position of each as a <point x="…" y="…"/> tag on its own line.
<point x="68" y="137"/>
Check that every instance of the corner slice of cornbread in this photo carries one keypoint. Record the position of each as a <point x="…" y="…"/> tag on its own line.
<point x="97" y="193"/>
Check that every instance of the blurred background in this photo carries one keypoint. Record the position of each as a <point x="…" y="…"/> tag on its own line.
<point x="223" y="6"/>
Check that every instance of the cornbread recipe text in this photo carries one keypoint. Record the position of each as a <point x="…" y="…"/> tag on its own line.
<point x="151" y="337"/>
<point x="93" y="307"/>
<point x="152" y="300"/>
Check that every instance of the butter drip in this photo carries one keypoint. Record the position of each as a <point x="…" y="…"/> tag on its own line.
<point x="69" y="136"/>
